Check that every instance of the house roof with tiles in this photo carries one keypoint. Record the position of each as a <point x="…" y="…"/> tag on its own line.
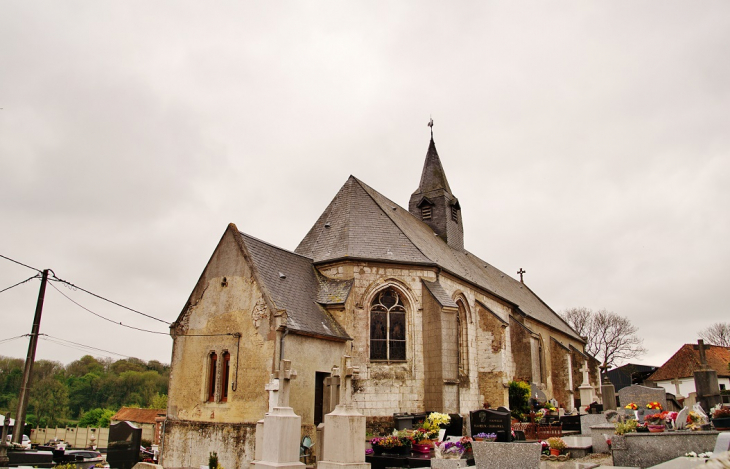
<point x="131" y="414"/>
<point x="686" y="361"/>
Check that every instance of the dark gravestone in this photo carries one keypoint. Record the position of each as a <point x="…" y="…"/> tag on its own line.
<point x="492" y="421"/>
<point x="403" y="421"/>
<point x="570" y="423"/>
<point x="595" y="408"/>
<point x="124" y="443"/>
<point x="456" y="425"/>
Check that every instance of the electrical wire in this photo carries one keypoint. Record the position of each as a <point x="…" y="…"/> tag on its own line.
<point x="60" y="341"/>
<point x="13" y="338"/>
<point x="56" y="279"/>
<point x="20" y="283"/>
<point x="20" y="263"/>
<point x="103" y="317"/>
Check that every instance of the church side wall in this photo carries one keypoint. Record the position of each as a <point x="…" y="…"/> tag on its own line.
<point x="521" y="342"/>
<point x="217" y="308"/>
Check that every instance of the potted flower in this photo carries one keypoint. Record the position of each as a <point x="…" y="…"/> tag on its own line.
<point x="422" y="442"/>
<point x="449" y="450"/>
<point x="394" y="444"/>
<point x="655" y="422"/>
<point x="557" y="445"/>
<point x="485" y="436"/>
<point x="631" y="406"/>
<point x="655" y="406"/>
<point x="721" y="417"/>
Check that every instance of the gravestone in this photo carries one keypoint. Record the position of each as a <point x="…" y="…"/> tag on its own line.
<point x="344" y="428"/>
<point x="587" y="393"/>
<point x="456" y="425"/>
<point x="272" y="387"/>
<point x="123" y="447"/>
<point x="708" y="389"/>
<point x="641" y="396"/>
<point x="492" y="421"/>
<point x="570" y="423"/>
<point x="4" y="460"/>
<point x="595" y="408"/>
<point x="537" y="396"/>
<point x="282" y="427"/>
<point x="506" y="455"/>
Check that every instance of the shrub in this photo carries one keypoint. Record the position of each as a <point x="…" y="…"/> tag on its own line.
<point x="519" y="399"/>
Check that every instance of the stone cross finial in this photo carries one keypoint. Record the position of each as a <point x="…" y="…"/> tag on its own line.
<point x="521" y="272"/>
<point x="585" y="370"/>
<point x="284" y="375"/>
<point x="272" y="387"/>
<point x="703" y="358"/>
<point x="347" y="372"/>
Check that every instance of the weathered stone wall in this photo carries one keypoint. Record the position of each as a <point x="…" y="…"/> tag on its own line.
<point x="226" y="300"/>
<point x="433" y="372"/>
<point x="188" y="444"/>
<point x="521" y="341"/>
<point x="492" y="371"/>
<point x="559" y="373"/>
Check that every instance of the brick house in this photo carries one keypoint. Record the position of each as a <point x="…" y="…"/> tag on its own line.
<point x="431" y="325"/>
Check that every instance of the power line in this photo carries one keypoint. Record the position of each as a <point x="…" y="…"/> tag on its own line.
<point x="20" y="283"/>
<point x="108" y="300"/>
<point x="20" y="263"/>
<point x="60" y="341"/>
<point x="13" y="338"/>
<point x="103" y="317"/>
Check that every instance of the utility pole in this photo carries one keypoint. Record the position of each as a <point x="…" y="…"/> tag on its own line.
<point x="25" y="385"/>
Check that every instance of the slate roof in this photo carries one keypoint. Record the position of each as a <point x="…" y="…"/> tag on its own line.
<point x="433" y="176"/>
<point x="686" y="361"/>
<point x="295" y="286"/>
<point x="361" y="223"/>
<point x="440" y="294"/>
<point x="130" y="414"/>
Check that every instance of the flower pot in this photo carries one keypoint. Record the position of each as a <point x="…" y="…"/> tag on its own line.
<point x="422" y="448"/>
<point x="377" y="450"/>
<point x="554" y="452"/>
<point x="398" y="451"/>
<point x="721" y="424"/>
<point x="655" y="428"/>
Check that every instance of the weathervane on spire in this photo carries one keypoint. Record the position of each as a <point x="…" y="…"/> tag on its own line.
<point x="430" y="124"/>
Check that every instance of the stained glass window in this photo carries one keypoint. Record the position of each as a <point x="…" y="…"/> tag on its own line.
<point x="387" y="327"/>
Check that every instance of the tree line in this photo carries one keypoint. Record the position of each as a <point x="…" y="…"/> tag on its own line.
<point x="86" y="392"/>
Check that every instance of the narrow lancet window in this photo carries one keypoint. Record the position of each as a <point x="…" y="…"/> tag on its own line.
<point x="226" y="375"/>
<point x="212" y="369"/>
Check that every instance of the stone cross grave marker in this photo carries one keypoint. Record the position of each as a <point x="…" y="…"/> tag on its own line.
<point x="285" y="374"/>
<point x="703" y="358"/>
<point x="347" y="372"/>
<point x="272" y="387"/>
<point x="676" y="382"/>
<point x="585" y="370"/>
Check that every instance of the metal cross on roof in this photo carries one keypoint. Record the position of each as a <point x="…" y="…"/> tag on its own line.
<point x="430" y="124"/>
<point x="521" y="271"/>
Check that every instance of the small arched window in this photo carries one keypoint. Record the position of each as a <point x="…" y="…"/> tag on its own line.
<point x="463" y="339"/>
<point x="387" y="326"/>
<point x="226" y="368"/>
<point x="212" y="370"/>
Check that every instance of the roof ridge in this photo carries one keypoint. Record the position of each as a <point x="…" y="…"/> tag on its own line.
<point x="275" y="246"/>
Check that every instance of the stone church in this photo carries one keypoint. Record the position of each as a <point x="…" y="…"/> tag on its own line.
<point x="431" y="326"/>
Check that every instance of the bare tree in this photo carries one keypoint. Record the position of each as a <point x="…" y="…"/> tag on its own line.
<point x="609" y="337"/>
<point x="717" y="334"/>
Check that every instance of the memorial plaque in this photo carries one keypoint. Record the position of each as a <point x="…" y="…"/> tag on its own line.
<point x="492" y="421"/>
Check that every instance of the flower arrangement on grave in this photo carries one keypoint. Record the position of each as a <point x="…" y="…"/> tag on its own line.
<point x="655" y="406"/>
<point x="557" y="445"/>
<point x="539" y="414"/>
<point x="421" y="436"/>
<point x="437" y="420"/>
<point x="720" y="417"/>
<point x="449" y="450"/>
<point x="396" y="441"/>
<point x="545" y="447"/>
<point x="631" y="406"/>
<point x="656" y="419"/>
<point x="694" y="420"/>
<point x="628" y="426"/>
<point x="466" y="442"/>
<point x="549" y="407"/>
<point x="485" y="436"/>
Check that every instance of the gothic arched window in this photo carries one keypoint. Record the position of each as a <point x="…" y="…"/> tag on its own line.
<point x="463" y="339"/>
<point x="387" y="326"/>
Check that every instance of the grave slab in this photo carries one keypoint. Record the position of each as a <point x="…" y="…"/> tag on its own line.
<point x="447" y="463"/>
<point x="650" y="449"/>
<point x="598" y="436"/>
<point x="493" y="455"/>
<point x="589" y="420"/>
<point x="681" y="463"/>
<point x="578" y="446"/>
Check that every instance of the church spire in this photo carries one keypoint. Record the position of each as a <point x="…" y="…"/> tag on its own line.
<point x="434" y="203"/>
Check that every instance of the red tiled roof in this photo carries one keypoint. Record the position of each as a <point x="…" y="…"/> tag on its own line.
<point x="130" y="414"/>
<point x="687" y="360"/>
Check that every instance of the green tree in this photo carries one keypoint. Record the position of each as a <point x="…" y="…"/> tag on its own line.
<point x="159" y="401"/>
<point x="49" y="401"/>
<point x="519" y="399"/>
<point x="96" y="418"/>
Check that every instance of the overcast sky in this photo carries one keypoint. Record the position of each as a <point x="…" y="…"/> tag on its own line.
<point x="587" y="143"/>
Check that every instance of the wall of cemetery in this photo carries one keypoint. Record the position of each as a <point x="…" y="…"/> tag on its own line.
<point x="188" y="444"/>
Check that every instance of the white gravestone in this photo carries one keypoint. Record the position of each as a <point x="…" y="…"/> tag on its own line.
<point x="344" y="428"/>
<point x="282" y="427"/>
<point x="586" y="390"/>
<point x="272" y="387"/>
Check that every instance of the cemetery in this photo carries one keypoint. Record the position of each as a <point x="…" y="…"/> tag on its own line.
<point x="639" y="432"/>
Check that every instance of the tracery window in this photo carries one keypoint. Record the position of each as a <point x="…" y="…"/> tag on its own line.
<point x="387" y="326"/>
